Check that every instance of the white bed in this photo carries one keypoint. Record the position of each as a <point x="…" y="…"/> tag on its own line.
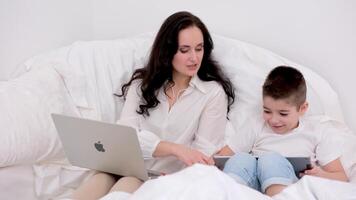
<point x="80" y="79"/>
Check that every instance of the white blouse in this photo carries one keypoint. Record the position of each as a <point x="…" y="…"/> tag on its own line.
<point x="197" y="119"/>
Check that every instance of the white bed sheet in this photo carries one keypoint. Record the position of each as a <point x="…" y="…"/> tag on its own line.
<point x="15" y="181"/>
<point x="315" y="188"/>
<point x="58" y="180"/>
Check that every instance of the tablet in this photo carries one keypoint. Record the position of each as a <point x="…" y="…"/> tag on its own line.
<point x="220" y="161"/>
<point x="300" y="164"/>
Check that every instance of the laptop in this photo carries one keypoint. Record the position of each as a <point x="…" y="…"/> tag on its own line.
<point x="101" y="146"/>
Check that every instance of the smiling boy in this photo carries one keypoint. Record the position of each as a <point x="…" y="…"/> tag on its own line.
<point x="283" y="132"/>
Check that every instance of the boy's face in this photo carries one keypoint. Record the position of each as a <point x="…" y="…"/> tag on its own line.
<point x="280" y="115"/>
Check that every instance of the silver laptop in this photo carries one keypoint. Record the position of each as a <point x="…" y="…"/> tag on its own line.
<point x="102" y="146"/>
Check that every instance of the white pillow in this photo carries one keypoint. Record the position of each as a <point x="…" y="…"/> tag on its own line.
<point x="94" y="70"/>
<point x="248" y="65"/>
<point x="27" y="131"/>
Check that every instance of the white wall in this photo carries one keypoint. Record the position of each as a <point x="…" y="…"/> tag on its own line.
<point x="318" y="34"/>
<point x="29" y="27"/>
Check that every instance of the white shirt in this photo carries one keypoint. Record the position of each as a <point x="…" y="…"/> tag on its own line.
<point x="313" y="138"/>
<point x="197" y="119"/>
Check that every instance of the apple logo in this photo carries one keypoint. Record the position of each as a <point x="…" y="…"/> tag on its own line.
<point x="99" y="146"/>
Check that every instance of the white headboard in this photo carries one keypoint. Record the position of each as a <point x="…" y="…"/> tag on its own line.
<point x="316" y="34"/>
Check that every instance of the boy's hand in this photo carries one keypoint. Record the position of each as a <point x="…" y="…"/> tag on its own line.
<point x="315" y="171"/>
<point x="225" y="151"/>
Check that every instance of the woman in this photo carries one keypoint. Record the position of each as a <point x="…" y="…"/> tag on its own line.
<point x="179" y="102"/>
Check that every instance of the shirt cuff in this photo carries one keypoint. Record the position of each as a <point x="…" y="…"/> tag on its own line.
<point x="148" y="142"/>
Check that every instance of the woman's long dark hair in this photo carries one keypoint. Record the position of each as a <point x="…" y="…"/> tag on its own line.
<point x="159" y="68"/>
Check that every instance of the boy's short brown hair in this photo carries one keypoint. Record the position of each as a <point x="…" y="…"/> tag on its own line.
<point x="285" y="82"/>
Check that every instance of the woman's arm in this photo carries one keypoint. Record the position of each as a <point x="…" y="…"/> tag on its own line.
<point x="187" y="155"/>
<point x="209" y="137"/>
<point x="332" y="170"/>
<point x="148" y="140"/>
<point x="151" y="144"/>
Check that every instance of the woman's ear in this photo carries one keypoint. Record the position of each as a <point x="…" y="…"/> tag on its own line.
<point x="303" y="108"/>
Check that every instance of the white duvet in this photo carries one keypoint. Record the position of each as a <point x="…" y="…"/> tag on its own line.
<point x="201" y="182"/>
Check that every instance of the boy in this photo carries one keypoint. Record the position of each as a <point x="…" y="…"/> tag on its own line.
<point x="282" y="132"/>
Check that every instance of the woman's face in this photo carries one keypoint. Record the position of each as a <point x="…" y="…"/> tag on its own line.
<point x="187" y="60"/>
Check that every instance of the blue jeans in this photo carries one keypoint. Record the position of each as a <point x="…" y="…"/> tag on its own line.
<point x="267" y="170"/>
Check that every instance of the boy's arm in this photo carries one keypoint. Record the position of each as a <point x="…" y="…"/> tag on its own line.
<point x="225" y="151"/>
<point x="332" y="170"/>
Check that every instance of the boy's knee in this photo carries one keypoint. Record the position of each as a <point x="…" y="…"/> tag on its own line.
<point x="272" y="164"/>
<point x="242" y="168"/>
<point x="269" y="160"/>
<point x="240" y="161"/>
<point x="273" y="168"/>
<point x="240" y="158"/>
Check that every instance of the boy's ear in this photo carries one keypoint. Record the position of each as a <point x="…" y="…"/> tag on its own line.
<point x="304" y="107"/>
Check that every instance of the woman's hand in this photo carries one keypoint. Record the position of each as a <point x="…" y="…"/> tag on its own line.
<point x="191" y="156"/>
<point x="187" y="155"/>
